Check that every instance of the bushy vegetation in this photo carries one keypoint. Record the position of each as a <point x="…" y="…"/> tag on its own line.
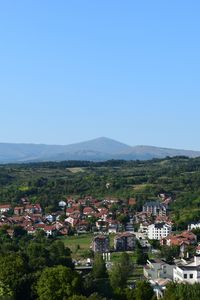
<point x="41" y="268"/>
<point x="48" y="183"/>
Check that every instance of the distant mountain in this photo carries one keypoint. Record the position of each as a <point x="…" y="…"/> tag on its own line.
<point x="149" y="152"/>
<point x="96" y="150"/>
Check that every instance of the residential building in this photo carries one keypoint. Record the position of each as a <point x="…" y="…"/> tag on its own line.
<point x="112" y="228"/>
<point x="158" y="231"/>
<point x="101" y="225"/>
<point x="194" y="225"/>
<point x="124" y="242"/>
<point x="18" y="210"/>
<point x="132" y="201"/>
<point x="100" y="244"/>
<point x="186" y="237"/>
<point x="198" y="249"/>
<point x="187" y="272"/>
<point x="155" y="269"/>
<point x="4" y="208"/>
<point x="143" y="229"/>
<point x="154" y="208"/>
<point x="129" y="227"/>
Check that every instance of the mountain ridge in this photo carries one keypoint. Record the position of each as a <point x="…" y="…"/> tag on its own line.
<point x="95" y="150"/>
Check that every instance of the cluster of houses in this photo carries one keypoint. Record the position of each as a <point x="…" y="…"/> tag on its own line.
<point x="31" y="218"/>
<point x="90" y="214"/>
<point x="103" y="217"/>
<point x="73" y="215"/>
<point x="159" y="273"/>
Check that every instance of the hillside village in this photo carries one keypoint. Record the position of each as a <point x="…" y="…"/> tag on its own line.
<point x="150" y="229"/>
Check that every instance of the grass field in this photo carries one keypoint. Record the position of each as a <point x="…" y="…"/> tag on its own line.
<point x="80" y="247"/>
<point x="80" y="244"/>
<point x="75" y="170"/>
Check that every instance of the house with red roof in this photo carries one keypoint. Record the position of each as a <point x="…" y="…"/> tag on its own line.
<point x="186" y="237"/>
<point x="19" y="210"/>
<point x="5" y="208"/>
<point x="89" y="211"/>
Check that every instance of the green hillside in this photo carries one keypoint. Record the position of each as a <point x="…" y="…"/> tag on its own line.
<point x="50" y="182"/>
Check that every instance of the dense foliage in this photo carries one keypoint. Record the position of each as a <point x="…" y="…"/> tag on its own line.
<point x="41" y="268"/>
<point x="50" y="182"/>
<point x="182" y="291"/>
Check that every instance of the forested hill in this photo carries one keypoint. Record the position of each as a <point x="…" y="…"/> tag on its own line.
<point x="50" y="182"/>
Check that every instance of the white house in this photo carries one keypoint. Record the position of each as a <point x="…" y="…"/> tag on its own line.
<point x="198" y="249"/>
<point x="158" y="268"/>
<point x="187" y="272"/>
<point x="158" y="231"/>
<point x="62" y="204"/>
<point x="194" y="225"/>
<point x="4" y="208"/>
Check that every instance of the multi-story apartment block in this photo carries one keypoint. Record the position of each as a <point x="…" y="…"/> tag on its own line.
<point x="100" y="244"/>
<point x="154" y="208"/>
<point x="158" y="231"/>
<point x="125" y="242"/>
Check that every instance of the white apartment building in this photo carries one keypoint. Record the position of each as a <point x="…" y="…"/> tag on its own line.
<point x="187" y="272"/>
<point x="158" y="231"/>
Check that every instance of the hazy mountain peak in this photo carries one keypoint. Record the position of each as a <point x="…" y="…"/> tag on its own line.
<point x="101" y="144"/>
<point x="101" y="148"/>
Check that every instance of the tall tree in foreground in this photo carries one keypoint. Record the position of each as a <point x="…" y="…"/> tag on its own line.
<point x="13" y="275"/>
<point x="99" y="267"/>
<point x="120" y="272"/>
<point x="57" y="283"/>
<point x="143" y="291"/>
<point x="97" y="281"/>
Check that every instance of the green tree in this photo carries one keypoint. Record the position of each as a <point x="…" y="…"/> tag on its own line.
<point x="177" y="291"/>
<point x="143" y="291"/>
<point x="5" y="292"/>
<point x="142" y="257"/>
<point x="169" y="253"/>
<point x="19" y="232"/>
<point x="120" y="272"/>
<point x="12" y="273"/>
<point x="99" y="267"/>
<point x="59" y="254"/>
<point x="38" y="255"/>
<point x="57" y="283"/>
<point x="123" y="218"/>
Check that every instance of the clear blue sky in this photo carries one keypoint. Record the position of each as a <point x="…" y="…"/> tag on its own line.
<point x="76" y="70"/>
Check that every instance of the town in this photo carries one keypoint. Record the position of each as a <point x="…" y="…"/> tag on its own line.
<point x="115" y="226"/>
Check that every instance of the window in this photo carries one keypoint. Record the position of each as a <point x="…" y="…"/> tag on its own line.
<point x="191" y="276"/>
<point x="185" y="275"/>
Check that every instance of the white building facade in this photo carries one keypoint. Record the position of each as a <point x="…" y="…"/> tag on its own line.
<point x="158" y="231"/>
<point x="188" y="272"/>
<point x="194" y="225"/>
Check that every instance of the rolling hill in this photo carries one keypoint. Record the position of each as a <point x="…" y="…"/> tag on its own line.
<point x="95" y="150"/>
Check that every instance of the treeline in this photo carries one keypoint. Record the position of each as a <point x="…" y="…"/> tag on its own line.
<point x="41" y="268"/>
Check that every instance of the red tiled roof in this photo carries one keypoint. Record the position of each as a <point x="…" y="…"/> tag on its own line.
<point x="5" y="206"/>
